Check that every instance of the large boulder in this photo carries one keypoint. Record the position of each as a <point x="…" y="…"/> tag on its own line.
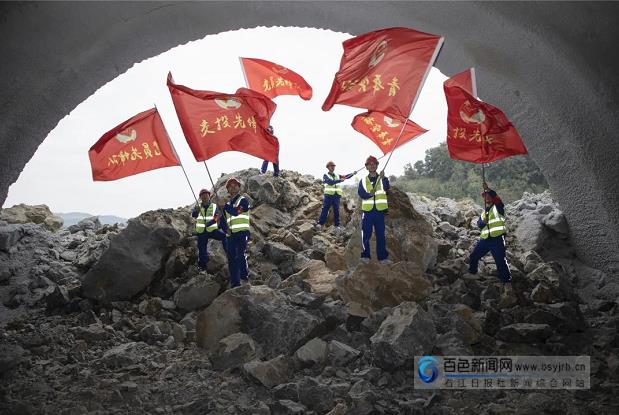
<point x="272" y="372"/>
<point x="134" y="256"/>
<point x="39" y="214"/>
<point x="407" y="332"/>
<point x="316" y="277"/>
<point x="408" y="235"/>
<point x="198" y="292"/>
<point x="530" y="232"/>
<point x="375" y="286"/>
<point x="552" y="284"/>
<point x="261" y="312"/>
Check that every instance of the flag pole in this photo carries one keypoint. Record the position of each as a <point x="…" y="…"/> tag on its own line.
<point x="211" y="179"/>
<point x="243" y="70"/>
<point x="423" y="81"/>
<point x="178" y="158"/>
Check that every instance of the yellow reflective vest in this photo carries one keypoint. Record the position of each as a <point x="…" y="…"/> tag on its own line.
<point x="205" y="217"/>
<point x="495" y="225"/>
<point x="333" y="189"/>
<point x="379" y="200"/>
<point x="240" y="222"/>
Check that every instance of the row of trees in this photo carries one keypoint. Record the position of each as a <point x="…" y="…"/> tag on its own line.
<point x="439" y="175"/>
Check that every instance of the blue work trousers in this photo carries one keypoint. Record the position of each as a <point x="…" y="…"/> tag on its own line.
<point x="237" y="257"/>
<point x="496" y="246"/>
<point x="265" y="166"/>
<point x="373" y="220"/>
<point x="203" y="245"/>
<point x="330" y="201"/>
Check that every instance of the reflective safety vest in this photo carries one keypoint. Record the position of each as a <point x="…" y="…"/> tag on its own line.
<point x="206" y="217"/>
<point x="495" y="225"/>
<point x="333" y="189"/>
<point x="240" y="222"/>
<point x="380" y="196"/>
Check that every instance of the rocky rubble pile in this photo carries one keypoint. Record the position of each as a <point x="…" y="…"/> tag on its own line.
<point x="109" y="319"/>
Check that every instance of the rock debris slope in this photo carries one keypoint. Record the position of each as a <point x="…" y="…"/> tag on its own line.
<point x="116" y="319"/>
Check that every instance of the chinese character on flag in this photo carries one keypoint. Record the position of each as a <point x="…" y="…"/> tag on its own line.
<point x="384" y="70"/>
<point x="137" y="145"/>
<point x="215" y="122"/>
<point x="476" y="131"/>
<point x="273" y="80"/>
<point x="384" y="129"/>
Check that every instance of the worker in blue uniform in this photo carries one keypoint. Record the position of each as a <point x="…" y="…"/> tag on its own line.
<point x="265" y="163"/>
<point x="207" y="226"/>
<point x="237" y="220"/>
<point x="492" y="239"/>
<point x="373" y="190"/>
<point x="332" y="194"/>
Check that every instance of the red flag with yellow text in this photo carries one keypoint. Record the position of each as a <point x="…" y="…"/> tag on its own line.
<point x="214" y="122"/>
<point x="273" y="80"/>
<point x="384" y="70"/>
<point x="476" y="131"/>
<point x="383" y="129"/>
<point x="137" y="145"/>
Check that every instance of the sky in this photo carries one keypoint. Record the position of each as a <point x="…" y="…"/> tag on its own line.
<point x="59" y="173"/>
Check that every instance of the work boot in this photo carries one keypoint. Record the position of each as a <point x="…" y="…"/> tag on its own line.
<point x="508" y="297"/>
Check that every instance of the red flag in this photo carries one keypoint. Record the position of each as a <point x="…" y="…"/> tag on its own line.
<point x="214" y="122"/>
<point x="383" y="129"/>
<point x="384" y="70"/>
<point x="476" y="131"/>
<point x="273" y="80"/>
<point x="137" y="145"/>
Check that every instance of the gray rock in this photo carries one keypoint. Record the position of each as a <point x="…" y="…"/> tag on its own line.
<point x="9" y="236"/>
<point x="39" y="214"/>
<point x="234" y="351"/>
<point x="524" y="333"/>
<point x="287" y="407"/>
<point x="11" y="355"/>
<point x="270" y="373"/>
<point x="407" y="332"/>
<point x="315" y="395"/>
<point x="340" y="354"/>
<point x="151" y="306"/>
<point x="314" y="352"/>
<point x="197" y="293"/>
<point x="123" y="355"/>
<point x="556" y="221"/>
<point x="306" y="231"/>
<point x="93" y="333"/>
<point x="375" y="286"/>
<point x="531" y="233"/>
<point x="57" y="298"/>
<point x="554" y="277"/>
<point x="278" y="252"/>
<point x="264" y="314"/>
<point x="133" y="258"/>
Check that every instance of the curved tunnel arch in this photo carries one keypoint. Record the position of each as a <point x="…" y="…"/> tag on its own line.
<point x="553" y="74"/>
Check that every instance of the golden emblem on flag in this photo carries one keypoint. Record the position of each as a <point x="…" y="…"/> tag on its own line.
<point x="378" y="54"/>
<point x="471" y="115"/>
<point x="390" y="122"/>
<point x="229" y="103"/>
<point x="124" y="138"/>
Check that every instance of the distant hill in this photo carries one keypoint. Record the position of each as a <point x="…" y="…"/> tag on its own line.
<point x="71" y="218"/>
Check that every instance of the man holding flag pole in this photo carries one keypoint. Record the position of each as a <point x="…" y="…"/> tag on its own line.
<point x="382" y="71"/>
<point x="481" y="133"/>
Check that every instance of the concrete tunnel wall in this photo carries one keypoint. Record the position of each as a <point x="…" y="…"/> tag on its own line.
<point x="551" y="67"/>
